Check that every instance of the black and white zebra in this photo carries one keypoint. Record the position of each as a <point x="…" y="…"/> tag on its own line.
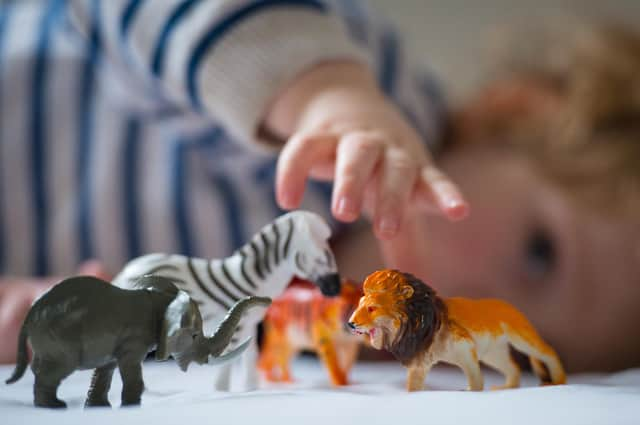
<point x="293" y="245"/>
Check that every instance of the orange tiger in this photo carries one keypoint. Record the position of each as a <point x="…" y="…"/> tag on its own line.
<point x="303" y="319"/>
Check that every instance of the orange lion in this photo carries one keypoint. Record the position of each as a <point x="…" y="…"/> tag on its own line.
<point x="405" y="316"/>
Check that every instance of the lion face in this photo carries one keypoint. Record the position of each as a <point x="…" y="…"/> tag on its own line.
<point x="381" y="310"/>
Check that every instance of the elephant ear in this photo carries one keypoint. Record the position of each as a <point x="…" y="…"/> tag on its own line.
<point x="173" y="328"/>
<point x="156" y="283"/>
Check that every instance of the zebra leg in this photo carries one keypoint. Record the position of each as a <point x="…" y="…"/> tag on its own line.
<point x="249" y="366"/>
<point x="223" y="379"/>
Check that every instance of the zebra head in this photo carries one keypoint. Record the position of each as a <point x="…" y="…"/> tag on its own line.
<point x="312" y="257"/>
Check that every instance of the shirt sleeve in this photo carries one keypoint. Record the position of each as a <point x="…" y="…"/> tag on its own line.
<point x="228" y="59"/>
<point x="402" y="74"/>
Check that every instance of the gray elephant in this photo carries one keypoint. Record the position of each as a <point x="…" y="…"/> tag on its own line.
<point x="87" y="323"/>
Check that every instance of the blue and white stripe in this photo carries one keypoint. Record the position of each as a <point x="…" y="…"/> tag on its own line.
<point x="105" y="150"/>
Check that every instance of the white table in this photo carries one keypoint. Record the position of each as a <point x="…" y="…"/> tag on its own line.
<point x="377" y="396"/>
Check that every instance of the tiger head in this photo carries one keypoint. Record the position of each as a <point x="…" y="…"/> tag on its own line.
<point x="400" y="313"/>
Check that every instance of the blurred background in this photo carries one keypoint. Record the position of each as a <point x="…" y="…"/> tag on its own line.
<point x="452" y="36"/>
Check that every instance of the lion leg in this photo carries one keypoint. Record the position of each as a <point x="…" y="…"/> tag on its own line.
<point x="537" y="349"/>
<point x="540" y="370"/>
<point x="499" y="358"/>
<point x="416" y="374"/>
<point x="466" y="358"/>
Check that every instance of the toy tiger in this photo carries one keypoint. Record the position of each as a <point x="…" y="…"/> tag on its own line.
<point x="302" y="319"/>
<point x="405" y="316"/>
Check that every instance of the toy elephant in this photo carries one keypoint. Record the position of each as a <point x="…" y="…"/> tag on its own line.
<point x="86" y="323"/>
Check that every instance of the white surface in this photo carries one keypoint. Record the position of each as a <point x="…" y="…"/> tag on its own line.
<point x="376" y="396"/>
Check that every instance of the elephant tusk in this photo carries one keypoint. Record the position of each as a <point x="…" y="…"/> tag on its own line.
<point x="231" y="354"/>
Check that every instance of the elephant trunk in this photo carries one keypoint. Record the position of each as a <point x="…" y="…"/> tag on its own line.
<point x="222" y="336"/>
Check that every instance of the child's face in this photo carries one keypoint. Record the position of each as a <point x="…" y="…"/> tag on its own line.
<point x="574" y="274"/>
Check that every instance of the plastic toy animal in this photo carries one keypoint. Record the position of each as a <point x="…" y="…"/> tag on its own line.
<point x="405" y="316"/>
<point x="303" y="319"/>
<point x="294" y="245"/>
<point x="87" y="323"/>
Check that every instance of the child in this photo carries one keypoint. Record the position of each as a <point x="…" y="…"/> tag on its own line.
<point x="548" y="156"/>
<point x="132" y="126"/>
<point x="535" y="153"/>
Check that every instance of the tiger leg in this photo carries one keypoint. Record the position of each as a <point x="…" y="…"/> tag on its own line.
<point x="348" y="353"/>
<point x="325" y="348"/>
<point x="276" y="355"/>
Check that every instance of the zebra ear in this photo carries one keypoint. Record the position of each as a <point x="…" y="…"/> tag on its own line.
<point x="316" y="225"/>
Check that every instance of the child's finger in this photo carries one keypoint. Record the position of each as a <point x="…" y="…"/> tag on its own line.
<point x="295" y="162"/>
<point x="396" y="185"/>
<point x="357" y="155"/>
<point x="436" y="188"/>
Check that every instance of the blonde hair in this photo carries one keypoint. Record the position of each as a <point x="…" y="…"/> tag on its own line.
<point x="573" y="103"/>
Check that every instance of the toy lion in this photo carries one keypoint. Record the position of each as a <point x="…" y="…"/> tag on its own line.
<point x="405" y="316"/>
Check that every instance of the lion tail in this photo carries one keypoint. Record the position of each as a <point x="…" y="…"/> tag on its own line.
<point x="544" y="361"/>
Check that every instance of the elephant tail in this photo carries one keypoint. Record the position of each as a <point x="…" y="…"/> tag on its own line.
<point x="22" y="357"/>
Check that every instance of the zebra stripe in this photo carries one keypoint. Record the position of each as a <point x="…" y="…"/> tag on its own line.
<point x="275" y="230"/>
<point x="204" y="289"/>
<point x="288" y="240"/>
<point x="243" y="270"/>
<point x="256" y="262"/>
<point x="218" y="284"/>
<point x="232" y="281"/>
<point x="163" y="267"/>
<point x="267" y="248"/>
<point x="298" y="263"/>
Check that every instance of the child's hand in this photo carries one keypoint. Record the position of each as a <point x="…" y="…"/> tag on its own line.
<point x="16" y="297"/>
<point x="344" y="129"/>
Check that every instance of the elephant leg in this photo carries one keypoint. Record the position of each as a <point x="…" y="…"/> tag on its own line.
<point x="100" y="383"/>
<point x="132" y="383"/>
<point x="48" y="375"/>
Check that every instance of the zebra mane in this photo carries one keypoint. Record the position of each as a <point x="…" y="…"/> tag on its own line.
<point x="274" y="239"/>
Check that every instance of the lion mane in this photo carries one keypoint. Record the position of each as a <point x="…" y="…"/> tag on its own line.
<point x="424" y="314"/>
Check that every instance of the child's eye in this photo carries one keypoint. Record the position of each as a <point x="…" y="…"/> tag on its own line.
<point x="371" y="309"/>
<point x="540" y="254"/>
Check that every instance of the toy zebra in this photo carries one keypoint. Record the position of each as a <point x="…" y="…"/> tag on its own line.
<point x="293" y="245"/>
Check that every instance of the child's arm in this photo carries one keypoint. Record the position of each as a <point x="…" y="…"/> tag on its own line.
<point x="343" y="128"/>
<point x="301" y="71"/>
<point x="224" y="58"/>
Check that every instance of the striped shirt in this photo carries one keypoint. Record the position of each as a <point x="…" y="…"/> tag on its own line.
<point x="129" y="126"/>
